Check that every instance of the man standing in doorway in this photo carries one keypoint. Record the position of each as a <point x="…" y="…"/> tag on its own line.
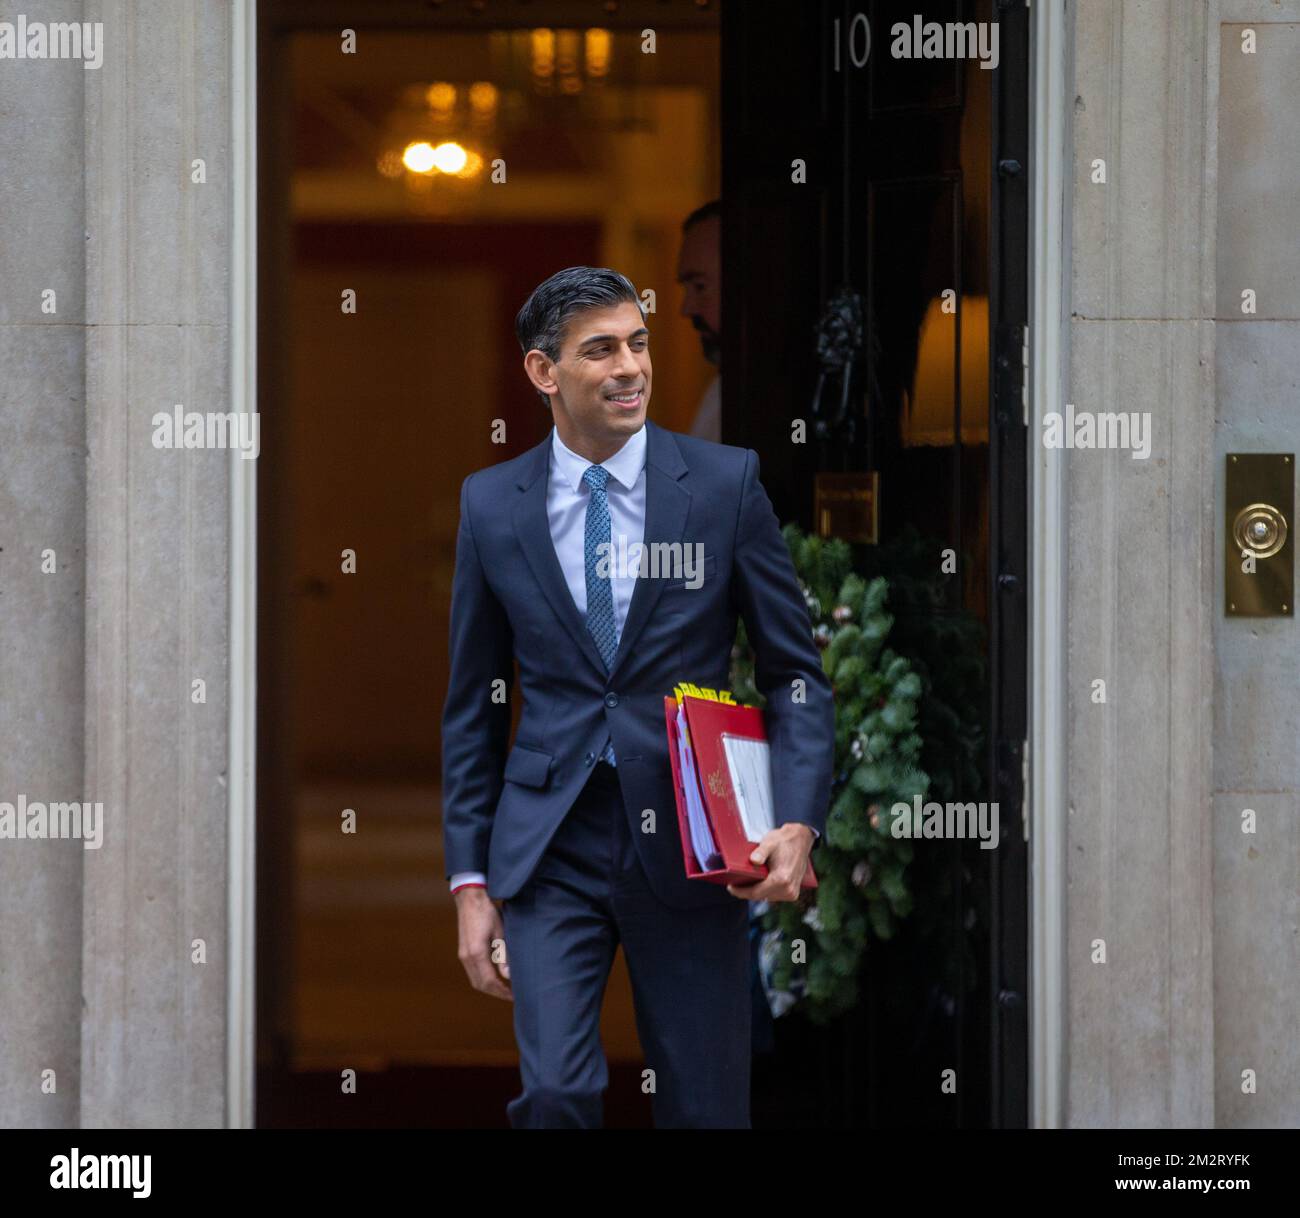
<point x="573" y="829"/>
<point x="699" y="271"/>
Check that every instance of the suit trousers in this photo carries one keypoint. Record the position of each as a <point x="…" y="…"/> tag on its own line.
<point x="690" y="973"/>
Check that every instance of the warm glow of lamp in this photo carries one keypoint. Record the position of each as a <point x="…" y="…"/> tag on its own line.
<point x="419" y="157"/>
<point x="543" y="48"/>
<point x="927" y="417"/>
<point x="440" y="96"/>
<point x="597" y="52"/>
<point x="483" y="96"/>
<point x="450" y="157"/>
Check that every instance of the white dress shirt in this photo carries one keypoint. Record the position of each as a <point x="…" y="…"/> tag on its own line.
<point x="567" y="496"/>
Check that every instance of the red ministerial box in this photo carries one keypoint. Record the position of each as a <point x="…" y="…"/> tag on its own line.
<point x="707" y="721"/>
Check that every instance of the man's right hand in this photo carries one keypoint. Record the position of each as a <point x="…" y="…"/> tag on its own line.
<point x="483" y="943"/>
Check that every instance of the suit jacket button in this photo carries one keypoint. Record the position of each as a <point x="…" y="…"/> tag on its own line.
<point x="590" y="759"/>
<point x="611" y="699"/>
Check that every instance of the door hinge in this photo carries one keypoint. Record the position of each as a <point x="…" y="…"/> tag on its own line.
<point x="1011" y="377"/>
<point x="1024" y="788"/>
<point x="1024" y="372"/>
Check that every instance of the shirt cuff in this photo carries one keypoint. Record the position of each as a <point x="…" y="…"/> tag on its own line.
<point x="461" y="878"/>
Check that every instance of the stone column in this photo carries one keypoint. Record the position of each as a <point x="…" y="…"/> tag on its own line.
<point x="1142" y="544"/>
<point x="157" y="250"/>
<point x="1257" y="660"/>
<point x="42" y="575"/>
<point x="1202" y="714"/>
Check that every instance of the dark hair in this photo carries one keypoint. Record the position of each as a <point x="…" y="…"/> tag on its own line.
<point x="548" y="310"/>
<point x="706" y="211"/>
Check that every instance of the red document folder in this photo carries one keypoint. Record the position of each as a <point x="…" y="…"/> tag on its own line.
<point x="706" y="721"/>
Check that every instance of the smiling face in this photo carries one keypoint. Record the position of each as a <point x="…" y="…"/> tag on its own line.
<point x="599" y="388"/>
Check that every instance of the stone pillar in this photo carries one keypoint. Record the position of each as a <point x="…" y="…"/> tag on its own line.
<point x="1142" y="544"/>
<point x="1202" y="713"/>
<point x="1257" y="660"/>
<point x="42" y="612"/>
<point x="157" y="256"/>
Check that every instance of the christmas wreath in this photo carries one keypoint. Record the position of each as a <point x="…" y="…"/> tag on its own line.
<point x="812" y="949"/>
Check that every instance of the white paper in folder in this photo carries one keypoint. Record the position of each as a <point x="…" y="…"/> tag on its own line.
<point x="749" y="763"/>
<point x="706" y="852"/>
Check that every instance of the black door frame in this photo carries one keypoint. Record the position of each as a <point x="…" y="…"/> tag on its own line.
<point x="1009" y="566"/>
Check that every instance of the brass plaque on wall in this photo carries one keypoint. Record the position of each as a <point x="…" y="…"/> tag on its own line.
<point x="847" y="506"/>
<point x="1259" y="535"/>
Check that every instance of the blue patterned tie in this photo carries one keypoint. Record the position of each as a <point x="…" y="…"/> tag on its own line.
<point x="600" y="592"/>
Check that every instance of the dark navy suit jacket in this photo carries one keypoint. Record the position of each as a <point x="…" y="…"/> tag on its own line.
<point x="501" y="804"/>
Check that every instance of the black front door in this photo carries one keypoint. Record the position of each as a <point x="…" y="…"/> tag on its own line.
<point x="899" y="184"/>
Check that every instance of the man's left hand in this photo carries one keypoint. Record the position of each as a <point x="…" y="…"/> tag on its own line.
<point x="785" y="850"/>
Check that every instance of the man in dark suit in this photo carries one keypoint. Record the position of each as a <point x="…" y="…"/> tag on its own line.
<point x="574" y="829"/>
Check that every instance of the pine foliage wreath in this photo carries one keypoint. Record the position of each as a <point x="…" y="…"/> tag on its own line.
<point x="814" y="947"/>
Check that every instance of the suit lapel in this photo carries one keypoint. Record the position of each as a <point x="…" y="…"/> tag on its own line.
<point x="533" y="528"/>
<point x="667" y="507"/>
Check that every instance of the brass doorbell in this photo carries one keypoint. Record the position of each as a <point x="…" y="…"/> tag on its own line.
<point x="1259" y="543"/>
